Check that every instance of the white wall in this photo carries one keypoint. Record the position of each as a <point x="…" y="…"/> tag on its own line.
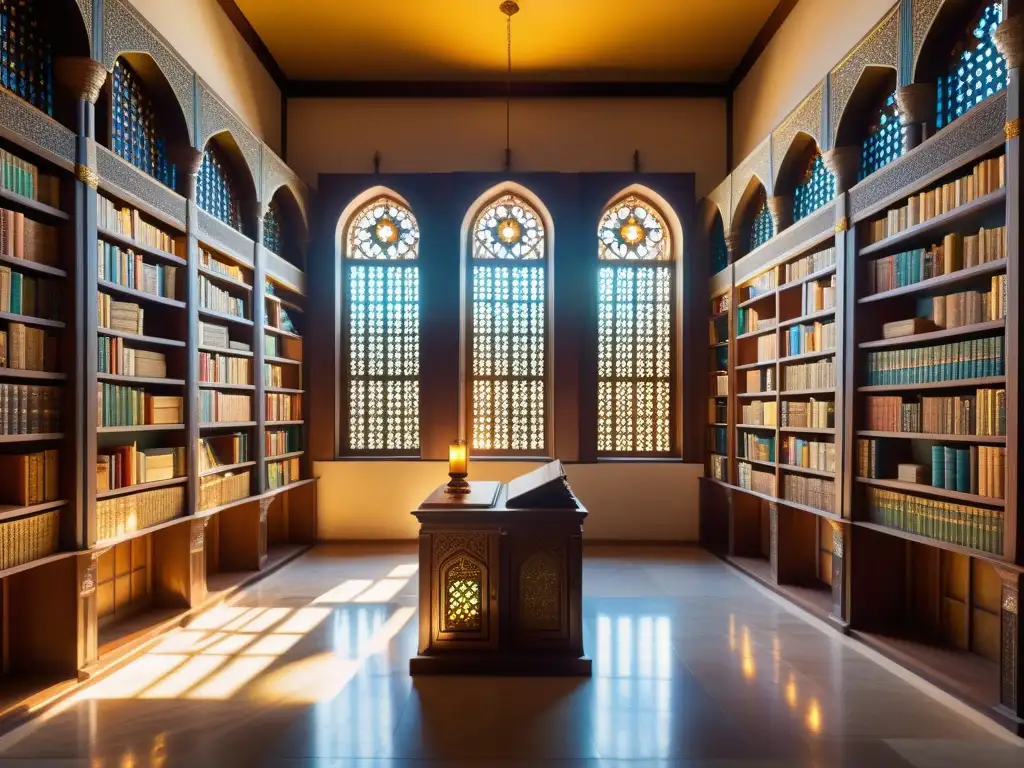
<point x="641" y="501"/>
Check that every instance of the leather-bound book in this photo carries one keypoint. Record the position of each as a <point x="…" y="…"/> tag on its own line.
<point x="544" y="488"/>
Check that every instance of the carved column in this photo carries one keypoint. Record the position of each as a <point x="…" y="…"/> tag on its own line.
<point x="733" y="240"/>
<point x="259" y="277"/>
<point x="1009" y="39"/>
<point x="88" y="622"/>
<point x="781" y="209"/>
<point x="838" y="613"/>
<point x="917" y="106"/>
<point x="843" y="163"/>
<point x="1011" y="665"/>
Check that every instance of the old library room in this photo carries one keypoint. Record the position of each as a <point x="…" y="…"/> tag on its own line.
<point x="496" y="384"/>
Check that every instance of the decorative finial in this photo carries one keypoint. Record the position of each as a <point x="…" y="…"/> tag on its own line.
<point x="509" y="8"/>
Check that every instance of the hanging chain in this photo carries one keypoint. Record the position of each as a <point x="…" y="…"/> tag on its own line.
<point x="510" y="8"/>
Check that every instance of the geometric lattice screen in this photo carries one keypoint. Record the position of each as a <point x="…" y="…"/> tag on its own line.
<point x="762" y="226"/>
<point x="636" y="292"/>
<point x="215" y="188"/>
<point x="27" y="69"/>
<point x="977" y="69"/>
<point x="884" y="142"/>
<point x="382" y="307"/>
<point x="817" y="186"/>
<point x="508" y="371"/>
<point x="135" y="133"/>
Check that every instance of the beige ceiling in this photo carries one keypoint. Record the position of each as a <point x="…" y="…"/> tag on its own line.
<point x="696" y="40"/>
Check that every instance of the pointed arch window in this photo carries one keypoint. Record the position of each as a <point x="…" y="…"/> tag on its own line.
<point x="136" y="133"/>
<point x="762" y="227"/>
<point x="977" y="70"/>
<point x="272" y="228"/>
<point x="885" y="138"/>
<point x="507" y="382"/>
<point x="635" y="357"/>
<point x="382" y="329"/>
<point x="816" y="187"/>
<point x="216" y="192"/>
<point x="27" y="69"/>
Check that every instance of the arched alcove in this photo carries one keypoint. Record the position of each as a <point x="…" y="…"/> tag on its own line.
<point x="284" y="227"/>
<point x="139" y="119"/>
<point x="804" y="177"/>
<point x="753" y="221"/>
<point x="871" y="120"/>
<point x="225" y="188"/>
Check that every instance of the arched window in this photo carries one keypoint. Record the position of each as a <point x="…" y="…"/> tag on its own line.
<point x="885" y="138"/>
<point x="215" y="190"/>
<point x="816" y="188"/>
<point x="382" y="327"/>
<point x="719" y="249"/>
<point x="636" y="279"/>
<point x="762" y="227"/>
<point x="27" y="69"/>
<point x="508" y="329"/>
<point x="272" y="228"/>
<point x="135" y="129"/>
<point x="976" y="68"/>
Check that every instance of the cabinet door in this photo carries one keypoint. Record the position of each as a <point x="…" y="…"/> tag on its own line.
<point x="540" y="590"/>
<point x="465" y="588"/>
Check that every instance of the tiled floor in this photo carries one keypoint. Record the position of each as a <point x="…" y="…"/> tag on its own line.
<point x="693" y="666"/>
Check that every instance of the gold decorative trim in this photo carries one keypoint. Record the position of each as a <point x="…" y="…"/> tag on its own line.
<point x="842" y="225"/>
<point x="87" y="176"/>
<point x="1012" y="129"/>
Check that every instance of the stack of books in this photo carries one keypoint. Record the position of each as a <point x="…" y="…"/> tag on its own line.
<point x="138" y="511"/>
<point x="24" y="238"/>
<point x="25" y="539"/>
<point x="217" y="407"/>
<point x="24" y="295"/>
<point x="223" y="451"/>
<point x="115" y="358"/>
<point x="126" y="465"/>
<point x="967" y="526"/>
<point x="212" y="335"/>
<point x="27" y="409"/>
<point x="25" y="348"/>
<point x="30" y="478"/>
<point x="968" y="359"/>
<point x="121" y="316"/>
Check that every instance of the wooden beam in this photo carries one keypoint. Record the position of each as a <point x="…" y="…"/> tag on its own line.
<point x="486" y="89"/>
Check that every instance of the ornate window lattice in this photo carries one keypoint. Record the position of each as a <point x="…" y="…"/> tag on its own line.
<point x="719" y="250"/>
<point x="816" y="188"/>
<point x="462" y="584"/>
<point x="635" y="346"/>
<point x="885" y="138"/>
<point x="215" y="189"/>
<point x="762" y="227"/>
<point x="135" y="127"/>
<point x="272" y="228"/>
<point x="977" y="70"/>
<point x="508" y="384"/>
<point x="383" y="325"/>
<point x="27" y="69"/>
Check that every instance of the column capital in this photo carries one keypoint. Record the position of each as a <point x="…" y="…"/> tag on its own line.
<point x="189" y="159"/>
<point x="917" y="106"/>
<point x="732" y="243"/>
<point x="842" y="163"/>
<point x="781" y="209"/>
<point x="82" y="76"/>
<point x="1009" y="38"/>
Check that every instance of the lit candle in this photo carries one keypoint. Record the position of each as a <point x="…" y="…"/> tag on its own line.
<point x="458" y="467"/>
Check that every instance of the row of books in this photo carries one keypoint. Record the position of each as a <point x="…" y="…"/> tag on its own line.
<point x="767" y="348"/>
<point x="760" y="380"/>
<point x="25" y="238"/>
<point x="986" y="177"/>
<point x="818" y="295"/>
<point x="121" y="406"/>
<point x="281" y="441"/>
<point x="218" y="490"/>
<point x="280" y="407"/>
<point x="809" y="454"/>
<point x="983" y="413"/>
<point x="955" y="253"/>
<point x="722" y="384"/>
<point x="215" y="298"/>
<point x="29" y="409"/>
<point x="977" y="469"/>
<point x="966" y="526"/>
<point x="968" y="307"/>
<point x="25" y="539"/>
<point x="127" y="465"/>
<point x="121" y="316"/>
<point x="129" y="222"/>
<point x="968" y="359"/>
<point x="23" y="178"/>
<point x="223" y="450"/>
<point x="224" y="369"/>
<point x="138" y="511"/>
<point x="25" y="295"/>
<point x="760" y="413"/>
<point x="821" y="374"/>
<point x="756" y="446"/>
<point x="209" y="261"/>
<point x="762" y="284"/>
<point x="749" y="319"/>
<point x="128" y="269"/>
<point x="719" y="467"/>
<point x="217" y="406"/>
<point x="816" y="492"/>
<point x="755" y="480"/>
<point x="809" y="265"/>
<point x="874" y="458"/>
<point x="813" y="414"/>
<point x="30" y="478"/>
<point x="25" y="348"/>
<point x="114" y="357"/>
<point x="812" y="337"/>
<point x="281" y="473"/>
<point x="718" y="439"/>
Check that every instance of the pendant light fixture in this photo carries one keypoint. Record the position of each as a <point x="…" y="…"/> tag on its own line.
<point x="510" y="8"/>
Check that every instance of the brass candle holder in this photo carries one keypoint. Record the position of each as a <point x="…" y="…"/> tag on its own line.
<point x="458" y="468"/>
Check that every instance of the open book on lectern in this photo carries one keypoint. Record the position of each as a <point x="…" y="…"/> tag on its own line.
<point x="544" y="488"/>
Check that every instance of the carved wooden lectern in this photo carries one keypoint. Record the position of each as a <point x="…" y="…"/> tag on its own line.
<point x="501" y="579"/>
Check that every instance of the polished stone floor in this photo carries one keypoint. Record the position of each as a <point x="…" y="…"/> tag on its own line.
<point x="694" y="665"/>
